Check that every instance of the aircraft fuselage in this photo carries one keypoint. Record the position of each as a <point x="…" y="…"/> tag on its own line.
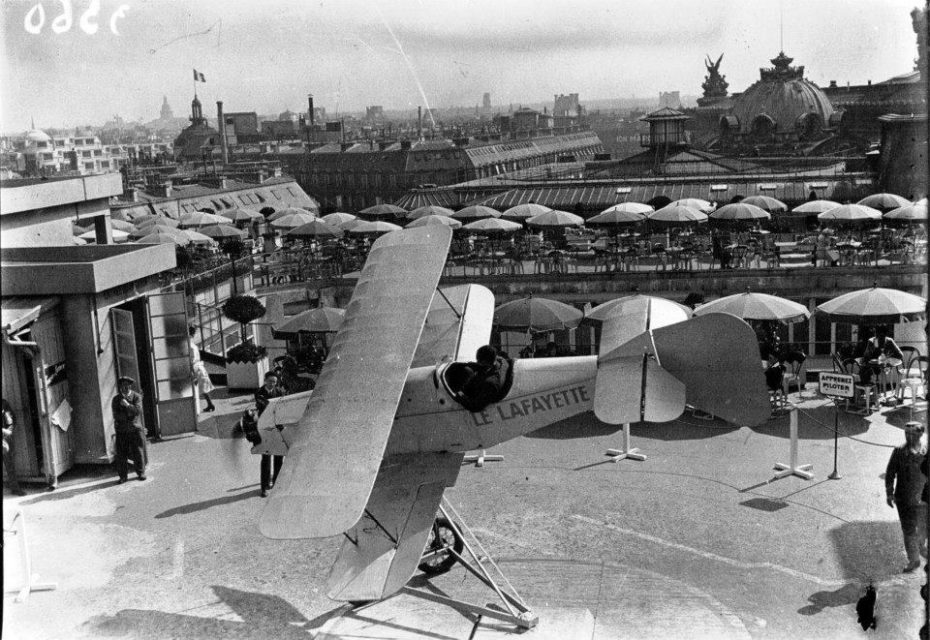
<point x="544" y="391"/>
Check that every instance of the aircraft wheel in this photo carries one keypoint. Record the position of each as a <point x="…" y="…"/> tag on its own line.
<point x="442" y="537"/>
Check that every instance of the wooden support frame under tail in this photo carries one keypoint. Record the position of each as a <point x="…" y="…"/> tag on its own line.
<point x="514" y="611"/>
<point x="478" y="459"/>
<point x="627" y="452"/>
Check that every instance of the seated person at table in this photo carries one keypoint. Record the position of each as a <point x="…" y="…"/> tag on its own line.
<point x="491" y="380"/>
<point x="878" y="346"/>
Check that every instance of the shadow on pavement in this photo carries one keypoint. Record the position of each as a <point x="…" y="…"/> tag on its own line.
<point x="869" y="550"/>
<point x="848" y="594"/>
<point x="206" y="504"/>
<point x="581" y="426"/>
<point x="816" y="424"/>
<point x="263" y="616"/>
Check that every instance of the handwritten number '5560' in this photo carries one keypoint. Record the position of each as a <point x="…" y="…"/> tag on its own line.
<point x="35" y="19"/>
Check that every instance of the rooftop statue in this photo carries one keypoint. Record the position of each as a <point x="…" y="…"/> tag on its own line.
<point x="714" y="85"/>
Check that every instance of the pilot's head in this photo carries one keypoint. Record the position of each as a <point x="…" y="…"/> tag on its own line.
<point x="486" y="355"/>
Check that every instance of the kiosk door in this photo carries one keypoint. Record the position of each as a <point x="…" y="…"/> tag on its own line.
<point x="171" y="361"/>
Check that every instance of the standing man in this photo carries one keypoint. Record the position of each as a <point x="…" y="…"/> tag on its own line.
<point x="271" y="389"/>
<point x="9" y="467"/>
<point x="904" y="486"/>
<point x="130" y="434"/>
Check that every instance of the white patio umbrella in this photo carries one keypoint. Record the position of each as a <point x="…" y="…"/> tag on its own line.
<point x="221" y="232"/>
<point x="201" y="219"/>
<point x="338" y="218"/>
<point x="815" y="206"/>
<point x="876" y="305"/>
<point x="196" y="237"/>
<point x="293" y="220"/>
<point x="149" y="220"/>
<point x="429" y="210"/>
<point x="661" y="312"/>
<point x="751" y="305"/>
<point x="884" y="201"/>
<point x="476" y="212"/>
<point x="241" y="214"/>
<point x="160" y="237"/>
<point x="740" y="212"/>
<point x="555" y="218"/>
<point x="521" y="212"/>
<point x="373" y="227"/>
<point x="147" y="229"/>
<point x="492" y="226"/>
<point x="850" y="213"/>
<point x="428" y="221"/>
<point x="695" y="203"/>
<point x="287" y="211"/>
<point x="677" y="215"/>
<point x="908" y="213"/>
<point x="766" y="203"/>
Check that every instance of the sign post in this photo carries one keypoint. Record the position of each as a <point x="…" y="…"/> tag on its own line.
<point x="836" y="386"/>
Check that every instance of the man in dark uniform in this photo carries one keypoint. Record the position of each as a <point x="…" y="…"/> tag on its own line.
<point x="9" y="423"/>
<point x="130" y="434"/>
<point x="271" y="389"/>
<point x="490" y="381"/>
<point x="904" y="487"/>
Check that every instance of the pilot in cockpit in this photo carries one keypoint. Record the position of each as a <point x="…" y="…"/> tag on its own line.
<point x="491" y="379"/>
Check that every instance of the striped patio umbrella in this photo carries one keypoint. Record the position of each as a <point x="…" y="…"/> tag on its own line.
<point x="383" y="211"/>
<point x="200" y="219"/>
<point x="293" y="220"/>
<point x="875" y="305"/>
<point x="222" y="232"/>
<point x="153" y="228"/>
<point x="315" y="229"/>
<point x="555" y="218"/>
<point x="160" y="237"/>
<point x="492" y="226"/>
<point x="740" y="211"/>
<point x="766" y="203"/>
<point x="695" y="203"/>
<point x="521" y="212"/>
<point x="908" y="213"/>
<point x="884" y="201"/>
<point x="815" y="206"/>
<point x="152" y="219"/>
<point x="427" y="221"/>
<point x="241" y="214"/>
<point x="476" y="212"/>
<point x="536" y="314"/>
<point x="338" y="218"/>
<point x="429" y="210"/>
<point x="677" y="215"/>
<point x="751" y="305"/>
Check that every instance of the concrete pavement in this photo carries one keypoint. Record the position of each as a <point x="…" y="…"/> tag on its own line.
<point x="697" y="541"/>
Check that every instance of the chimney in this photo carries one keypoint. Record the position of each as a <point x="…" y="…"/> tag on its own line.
<point x="222" y="122"/>
<point x="310" y="105"/>
<point x="419" y="123"/>
<point x="164" y="190"/>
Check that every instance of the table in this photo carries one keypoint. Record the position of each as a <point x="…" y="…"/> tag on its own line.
<point x="884" y="366"/>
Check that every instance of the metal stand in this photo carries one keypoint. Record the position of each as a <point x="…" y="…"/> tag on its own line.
<point x="835" y="474"/>
<point x="18" y="528"/>
<point x="626" y="452"/>
<point x="792" y="468"/>
<point x="515" y="610"/>
<point x="480" y="458"/>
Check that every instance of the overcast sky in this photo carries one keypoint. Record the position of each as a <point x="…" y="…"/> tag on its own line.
<point x="267" y="55"/>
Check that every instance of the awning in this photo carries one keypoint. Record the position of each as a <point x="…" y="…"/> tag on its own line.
<point x="18" y="312"/>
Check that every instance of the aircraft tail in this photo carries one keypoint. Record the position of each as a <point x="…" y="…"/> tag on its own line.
<point x="711" y="363"/>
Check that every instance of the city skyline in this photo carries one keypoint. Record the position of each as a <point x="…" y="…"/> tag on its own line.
<point x="405" y="54"/>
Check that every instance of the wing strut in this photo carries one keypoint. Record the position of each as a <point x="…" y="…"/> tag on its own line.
<point x="457" y="313"/>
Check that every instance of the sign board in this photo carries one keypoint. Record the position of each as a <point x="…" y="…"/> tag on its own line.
<point x="837" y="385"/>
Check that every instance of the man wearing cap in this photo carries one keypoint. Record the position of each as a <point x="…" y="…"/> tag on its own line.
<point x="130" y="434"/>
<point x="269" y="390"/>
<point x="904" y="485"/>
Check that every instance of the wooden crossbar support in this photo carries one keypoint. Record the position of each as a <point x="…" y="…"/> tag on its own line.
<point x="792" y="468"/>
<point x="479" y="459"/>
<point x="616" y="455"/>
<point x="30" y="580"/>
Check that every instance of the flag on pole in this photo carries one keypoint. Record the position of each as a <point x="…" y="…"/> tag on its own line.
<point x="198" y="77"/>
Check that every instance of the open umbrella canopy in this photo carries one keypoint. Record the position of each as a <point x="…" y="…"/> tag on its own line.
<point x="677" y="215"/>
<point x="196" y="237"/>
<point x="616" y="218"/>
<point x="222" y="232"/>
<point x="492" y="226"/>
<point x="321" y="320"/>
<point x="661" y="312"/>
<point x="908" y="213"/>
<point x="118" y="236"/>
<point x="884" y="201"/>
<point x="476" y="212"/>
<point x="630" y="207"/>
<point x="149" y="219"/>
<point x="373" y="227"/>
<point x="524" y="211"/>
<point x="875" y="305"/>
<point x="201" y="219"/>
<point x="154" y="228"/>
<point x="290" y="211"/>
<point x="740" y="211"/>
<point x="338" y="218"/>
<point x="160" y="237"/>
<point x="536" y="314"/>
<point x="850" y="213"/>
<point x="750" y="305"/>
<point x="428" y="221"/>
<point x="766" y="203"/>
<point x="815" y="206"/>
<point x="695" y="203"/>
<point x="241" y="214"/>
<point x="429" y="210"/>
<point x="383" y="211"/>
<point x="293" y="220"/>
<point x="555" y="218"/>
<point x="315" y="229"/>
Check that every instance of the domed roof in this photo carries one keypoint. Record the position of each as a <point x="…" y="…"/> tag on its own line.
<point x="37" y="135"/>
<point x="782" y="98"/>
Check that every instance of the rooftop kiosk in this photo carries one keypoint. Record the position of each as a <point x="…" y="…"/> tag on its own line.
<point x="74" y="318"/>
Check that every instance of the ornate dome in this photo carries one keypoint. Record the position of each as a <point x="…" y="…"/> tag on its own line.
<point x="37" y="135"/>
<point x="781" y="102"/>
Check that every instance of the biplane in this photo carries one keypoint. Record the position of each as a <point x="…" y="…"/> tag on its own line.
<point x="372" y="449"/>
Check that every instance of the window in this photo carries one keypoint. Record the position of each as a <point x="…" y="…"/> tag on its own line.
<point x="242" y="199"/>
<point x="276" y="193"/>
<point x="98" y="152"/>
<point x="85" y="154"/>
<point x="89" y="166"/>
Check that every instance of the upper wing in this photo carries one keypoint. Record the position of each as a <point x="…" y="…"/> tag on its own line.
<point x="331" y="468"/>
<point x="383" y="549"/>
<point x="459" y="321"/>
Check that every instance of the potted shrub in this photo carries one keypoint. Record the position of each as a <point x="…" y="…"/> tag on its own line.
<point x="246" y="363"/>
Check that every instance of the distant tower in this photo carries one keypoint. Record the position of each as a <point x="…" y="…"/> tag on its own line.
<point x="166" y="112"/>
<point x="486" y="101"/>
<point x="197" y="112"/>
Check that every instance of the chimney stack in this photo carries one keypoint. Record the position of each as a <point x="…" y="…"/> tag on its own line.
<point x="310" y="105"/>
<point x="222" y="122"/>
<point x="419" y="123"/>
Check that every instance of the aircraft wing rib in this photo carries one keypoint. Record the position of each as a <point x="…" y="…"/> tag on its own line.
<point x="332" y="465"/>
